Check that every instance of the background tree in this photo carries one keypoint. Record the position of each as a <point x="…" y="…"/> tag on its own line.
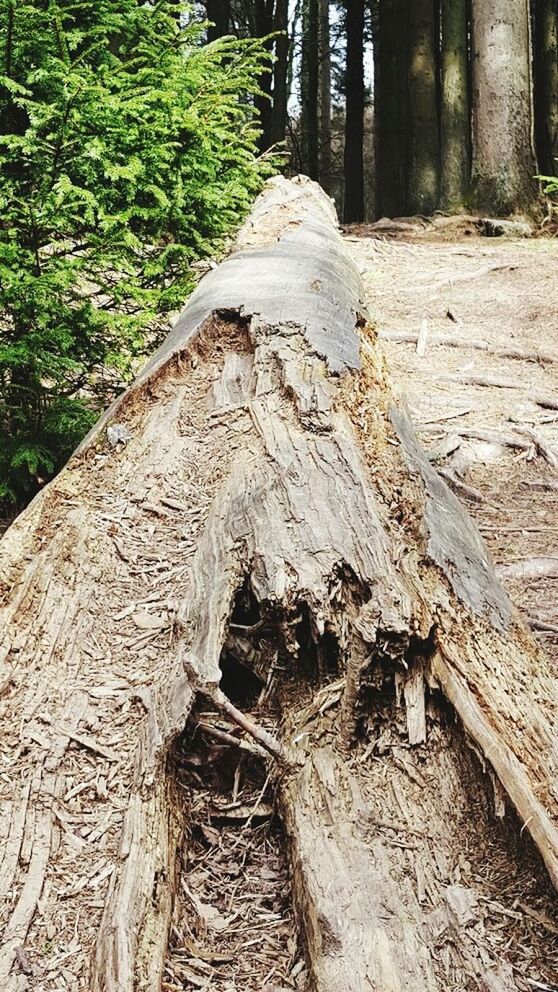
<point x="391" y="107"/>
<point x="219" y="13"/>
<point x="280" y="73"/>
<point x="423" y="131"/>
<point x="309" y="88"/>
<point x="455" y="120"/>
<point x="546" y="84"/>
<point x="325" y="97"/>
<point x="353" y="209"/>
<point x="503" y="155"/>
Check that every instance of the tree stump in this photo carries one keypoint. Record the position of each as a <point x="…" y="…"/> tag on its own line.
<point x="261" y="458"/>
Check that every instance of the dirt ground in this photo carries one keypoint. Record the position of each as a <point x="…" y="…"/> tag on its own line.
<point x="480" y="412"/>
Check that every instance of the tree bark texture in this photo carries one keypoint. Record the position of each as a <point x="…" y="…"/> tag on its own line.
<point x="310" y="85"/>
<point x="424" y="150"/>
<point x="260" y="448"/>
<point x="390" y="109"/>
<point x="280" y="72"/>
<point x="219" y="13"/>
<point x="503" y="156"/>
<point x="325" y="98"/>
<point x="455" y="121"/>
<point x="263" y="13"/>
<point x="353" y="207"/>
<point x="546" y="84"/>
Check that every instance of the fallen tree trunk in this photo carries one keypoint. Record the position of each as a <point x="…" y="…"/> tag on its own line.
<point x="264" y="482"/>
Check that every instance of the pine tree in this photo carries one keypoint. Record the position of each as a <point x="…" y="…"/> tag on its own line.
<point x="127" y="150"/>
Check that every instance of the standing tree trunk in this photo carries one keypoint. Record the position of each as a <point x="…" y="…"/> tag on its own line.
<point x="423" y="150"/>
<point x="353" y="206"/>
<point x="546" y="84"/>
<point x="263" y="13"/>
<point x="325" y="97"/>
<point x="219" y="12"/>
<point x="390" y="108"/>
<point x="280" y="73"/>
<point x="455" y="169"/>
<point x="310" y="86"/>
<point x="503" y="156"/>
<point x="265" y="453"/>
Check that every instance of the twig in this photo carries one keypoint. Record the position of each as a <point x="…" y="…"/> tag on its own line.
<point x="224" y="738"/>
<point x="260" y="735"/>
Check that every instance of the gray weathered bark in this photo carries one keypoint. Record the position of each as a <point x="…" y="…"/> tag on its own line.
<point x="503" y="156"/>
<point x="264" y="448"/>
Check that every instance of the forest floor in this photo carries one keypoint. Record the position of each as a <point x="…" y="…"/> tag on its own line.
<point x="488" y="416"/>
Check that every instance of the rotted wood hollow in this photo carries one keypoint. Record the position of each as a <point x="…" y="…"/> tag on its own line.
<point x="265" y="452"/>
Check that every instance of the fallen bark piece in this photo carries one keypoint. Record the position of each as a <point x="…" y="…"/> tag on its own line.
<point x="303" y="512"/>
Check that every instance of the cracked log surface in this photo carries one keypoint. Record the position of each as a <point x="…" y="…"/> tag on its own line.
<point x="267" y="450"/>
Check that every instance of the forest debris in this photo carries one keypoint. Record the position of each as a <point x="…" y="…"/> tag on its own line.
<point x="542" y="625"/>
<point x="460" y="487"/>
<point x="541" y="445"/>
<point x="223" y="737"/>
<point x="259" y="734"/>
<point x="414" y="693"/>
<point x="118" y="434"/>
<point x="498" y="228"/>
<point x="23" y="961"/>
<point x="212" y="957"/>
<point x="462" y="904"/>
<point x="541" y="918"/>
<point x="149" y="621"/>
<point x="475" y="344"/>
<point x="444" y="448"/>
<point x="239" y="813"/>
<point x="89" y="743"/>
<point x="500" y="979"/>
<point x="529" y="568"/>
<point x="422" y="338"/>
<point x="482" y="379"/>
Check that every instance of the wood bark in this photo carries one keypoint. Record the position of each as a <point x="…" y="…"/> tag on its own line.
<point x="325" y="98"/>
<point x="455" y="120"/>
<point x="219" y="13"/>
<point x="390" y="108"/>
<point x="353" y="205"/>
<point x="424" y="149"/>
<point x="310" y="86"/>
<point x="280" y="73"/>
<point x="264" y="20"/>
<point x="546" y="84"/>
<point x="503" y="154"/>
<point x="264" y="451"/>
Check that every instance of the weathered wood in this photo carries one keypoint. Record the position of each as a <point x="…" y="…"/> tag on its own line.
<point x="264" y="452"/>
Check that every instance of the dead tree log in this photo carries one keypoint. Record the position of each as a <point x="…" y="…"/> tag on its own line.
<point x="261" y="452"/>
